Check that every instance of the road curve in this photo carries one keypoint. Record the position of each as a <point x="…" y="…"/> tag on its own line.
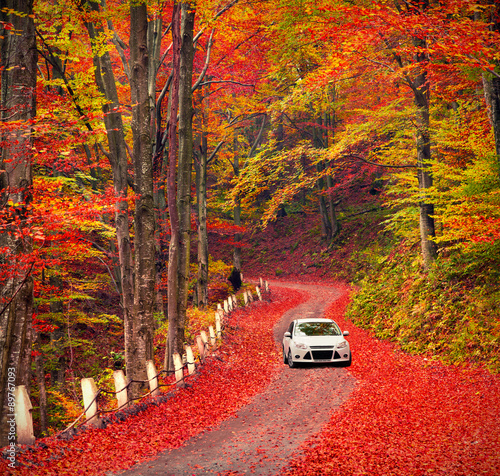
<point x="265" y="433"/>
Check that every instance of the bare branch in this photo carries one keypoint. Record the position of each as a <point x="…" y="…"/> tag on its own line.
<point x="242" y="117"/>
<point x="258" y="138"/>
<point x="51" y="59"/>
<point x="104" y="151"/>
<point x="106" y="252"/>
<point x="207" y="62"/>
<point x="165" y="53"/>
<point x="227" y="81"/>
<point x="120" y="46"/>
<point x="216" y="150"/>
<point x="494" y="73"/>
<point x="358" y="157"/>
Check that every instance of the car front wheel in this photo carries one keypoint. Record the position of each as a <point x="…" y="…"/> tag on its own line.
<point x="285" y="358"/>
<point x="291" y="363"/>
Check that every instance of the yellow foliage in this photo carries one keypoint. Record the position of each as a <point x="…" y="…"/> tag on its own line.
<point x="62" y="409"/>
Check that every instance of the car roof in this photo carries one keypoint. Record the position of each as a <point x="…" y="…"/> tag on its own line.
<point x="318" y="319"/>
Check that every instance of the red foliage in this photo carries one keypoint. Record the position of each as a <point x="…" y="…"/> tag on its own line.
<point x="408" y="415"/>
<point x="224" y="384"/>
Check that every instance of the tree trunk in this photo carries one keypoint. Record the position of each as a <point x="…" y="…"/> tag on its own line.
<point x="421" y="91"/>
<point x="329" y="223"/>
<point x="185" y="165"/>
<point x="326" y="225"/>
<point x="141" y="348"/>
<point x="237" y="214"/>
<point x="201" y="187"/>
<point x="329" y="122"/>
<point x="237" y="265"/>
<point x="237" y="249"/>
<point x="117" y="156"/>
<point x="154" y="45"/>
<point x="331" y="209"/>
<point x="18" y="78"/>
<point x="491" y="85"/>
<point x="173" y="252"/>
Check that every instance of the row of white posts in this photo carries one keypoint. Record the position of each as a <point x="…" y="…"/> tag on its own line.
<point x="23" y="407"/>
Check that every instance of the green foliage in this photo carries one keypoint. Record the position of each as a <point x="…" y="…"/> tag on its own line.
<point x="61" y="410"/>
<point x="117" y="358"/>
<point x="451" y="312"/>
<point x="468" y="203"/>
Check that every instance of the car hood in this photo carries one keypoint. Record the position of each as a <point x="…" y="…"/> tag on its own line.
<point x="319" y="340"/>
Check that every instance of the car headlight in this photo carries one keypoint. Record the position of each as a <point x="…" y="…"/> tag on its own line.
<point x="300" y="345"/>
<point x="342" y="345"/>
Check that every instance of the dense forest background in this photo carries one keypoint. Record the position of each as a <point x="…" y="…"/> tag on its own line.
<point x="152" y="150"/>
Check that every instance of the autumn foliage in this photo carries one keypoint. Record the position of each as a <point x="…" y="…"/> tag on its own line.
<point x="306" y="125"/>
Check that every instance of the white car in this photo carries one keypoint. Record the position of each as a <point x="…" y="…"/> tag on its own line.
<point x="315" y="340"/>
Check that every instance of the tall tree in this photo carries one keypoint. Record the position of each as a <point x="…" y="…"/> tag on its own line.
<point x="18" y="77"/>
<point x="421" y="91"/>
<point x="179" y="179"/>
<point x="117" y="156"/>
<point x="141" y="348"/>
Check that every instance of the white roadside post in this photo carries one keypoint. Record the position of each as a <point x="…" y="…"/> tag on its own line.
<point x="23" y="419"/>
<point x="153" y="378"/>
<point x="120" y="388"/>
<point x="258" y="293"/>
<point x="201" y="347"/>
<point x="218" y="329"/>
<point x="213" y="340"/>
<point x="179" y="374"/>
<point x="190" y="359"/>
<point x="204" y="338"/>
<point x="89" y="390"/>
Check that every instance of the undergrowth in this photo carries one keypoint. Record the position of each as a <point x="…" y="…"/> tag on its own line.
<point x="450" y="312"/>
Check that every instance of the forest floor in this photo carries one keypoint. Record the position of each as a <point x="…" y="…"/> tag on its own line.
<point x="388" y="414"/>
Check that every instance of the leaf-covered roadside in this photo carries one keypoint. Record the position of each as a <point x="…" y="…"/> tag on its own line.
<point x="451" y="311"/>
<point x="226" y="382"/>
<point x="409" y="415"/>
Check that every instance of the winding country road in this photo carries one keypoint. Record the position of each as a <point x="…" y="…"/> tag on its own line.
<point x="265" y="433"/>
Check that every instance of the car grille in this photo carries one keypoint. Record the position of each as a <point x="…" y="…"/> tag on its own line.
<point x="322" y="347"/>
<point x="322" y="354"/>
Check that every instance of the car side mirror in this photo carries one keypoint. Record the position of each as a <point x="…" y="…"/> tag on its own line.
<point x="287" y="334"/>
<point x="345" y="333"/>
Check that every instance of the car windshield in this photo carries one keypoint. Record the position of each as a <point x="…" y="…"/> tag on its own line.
<point x="317" y="329"/>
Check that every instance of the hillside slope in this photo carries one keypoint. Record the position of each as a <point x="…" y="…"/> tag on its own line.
<point x="450" y="312"/>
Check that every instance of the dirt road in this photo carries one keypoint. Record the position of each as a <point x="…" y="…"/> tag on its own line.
<point x="265" y="433"/>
